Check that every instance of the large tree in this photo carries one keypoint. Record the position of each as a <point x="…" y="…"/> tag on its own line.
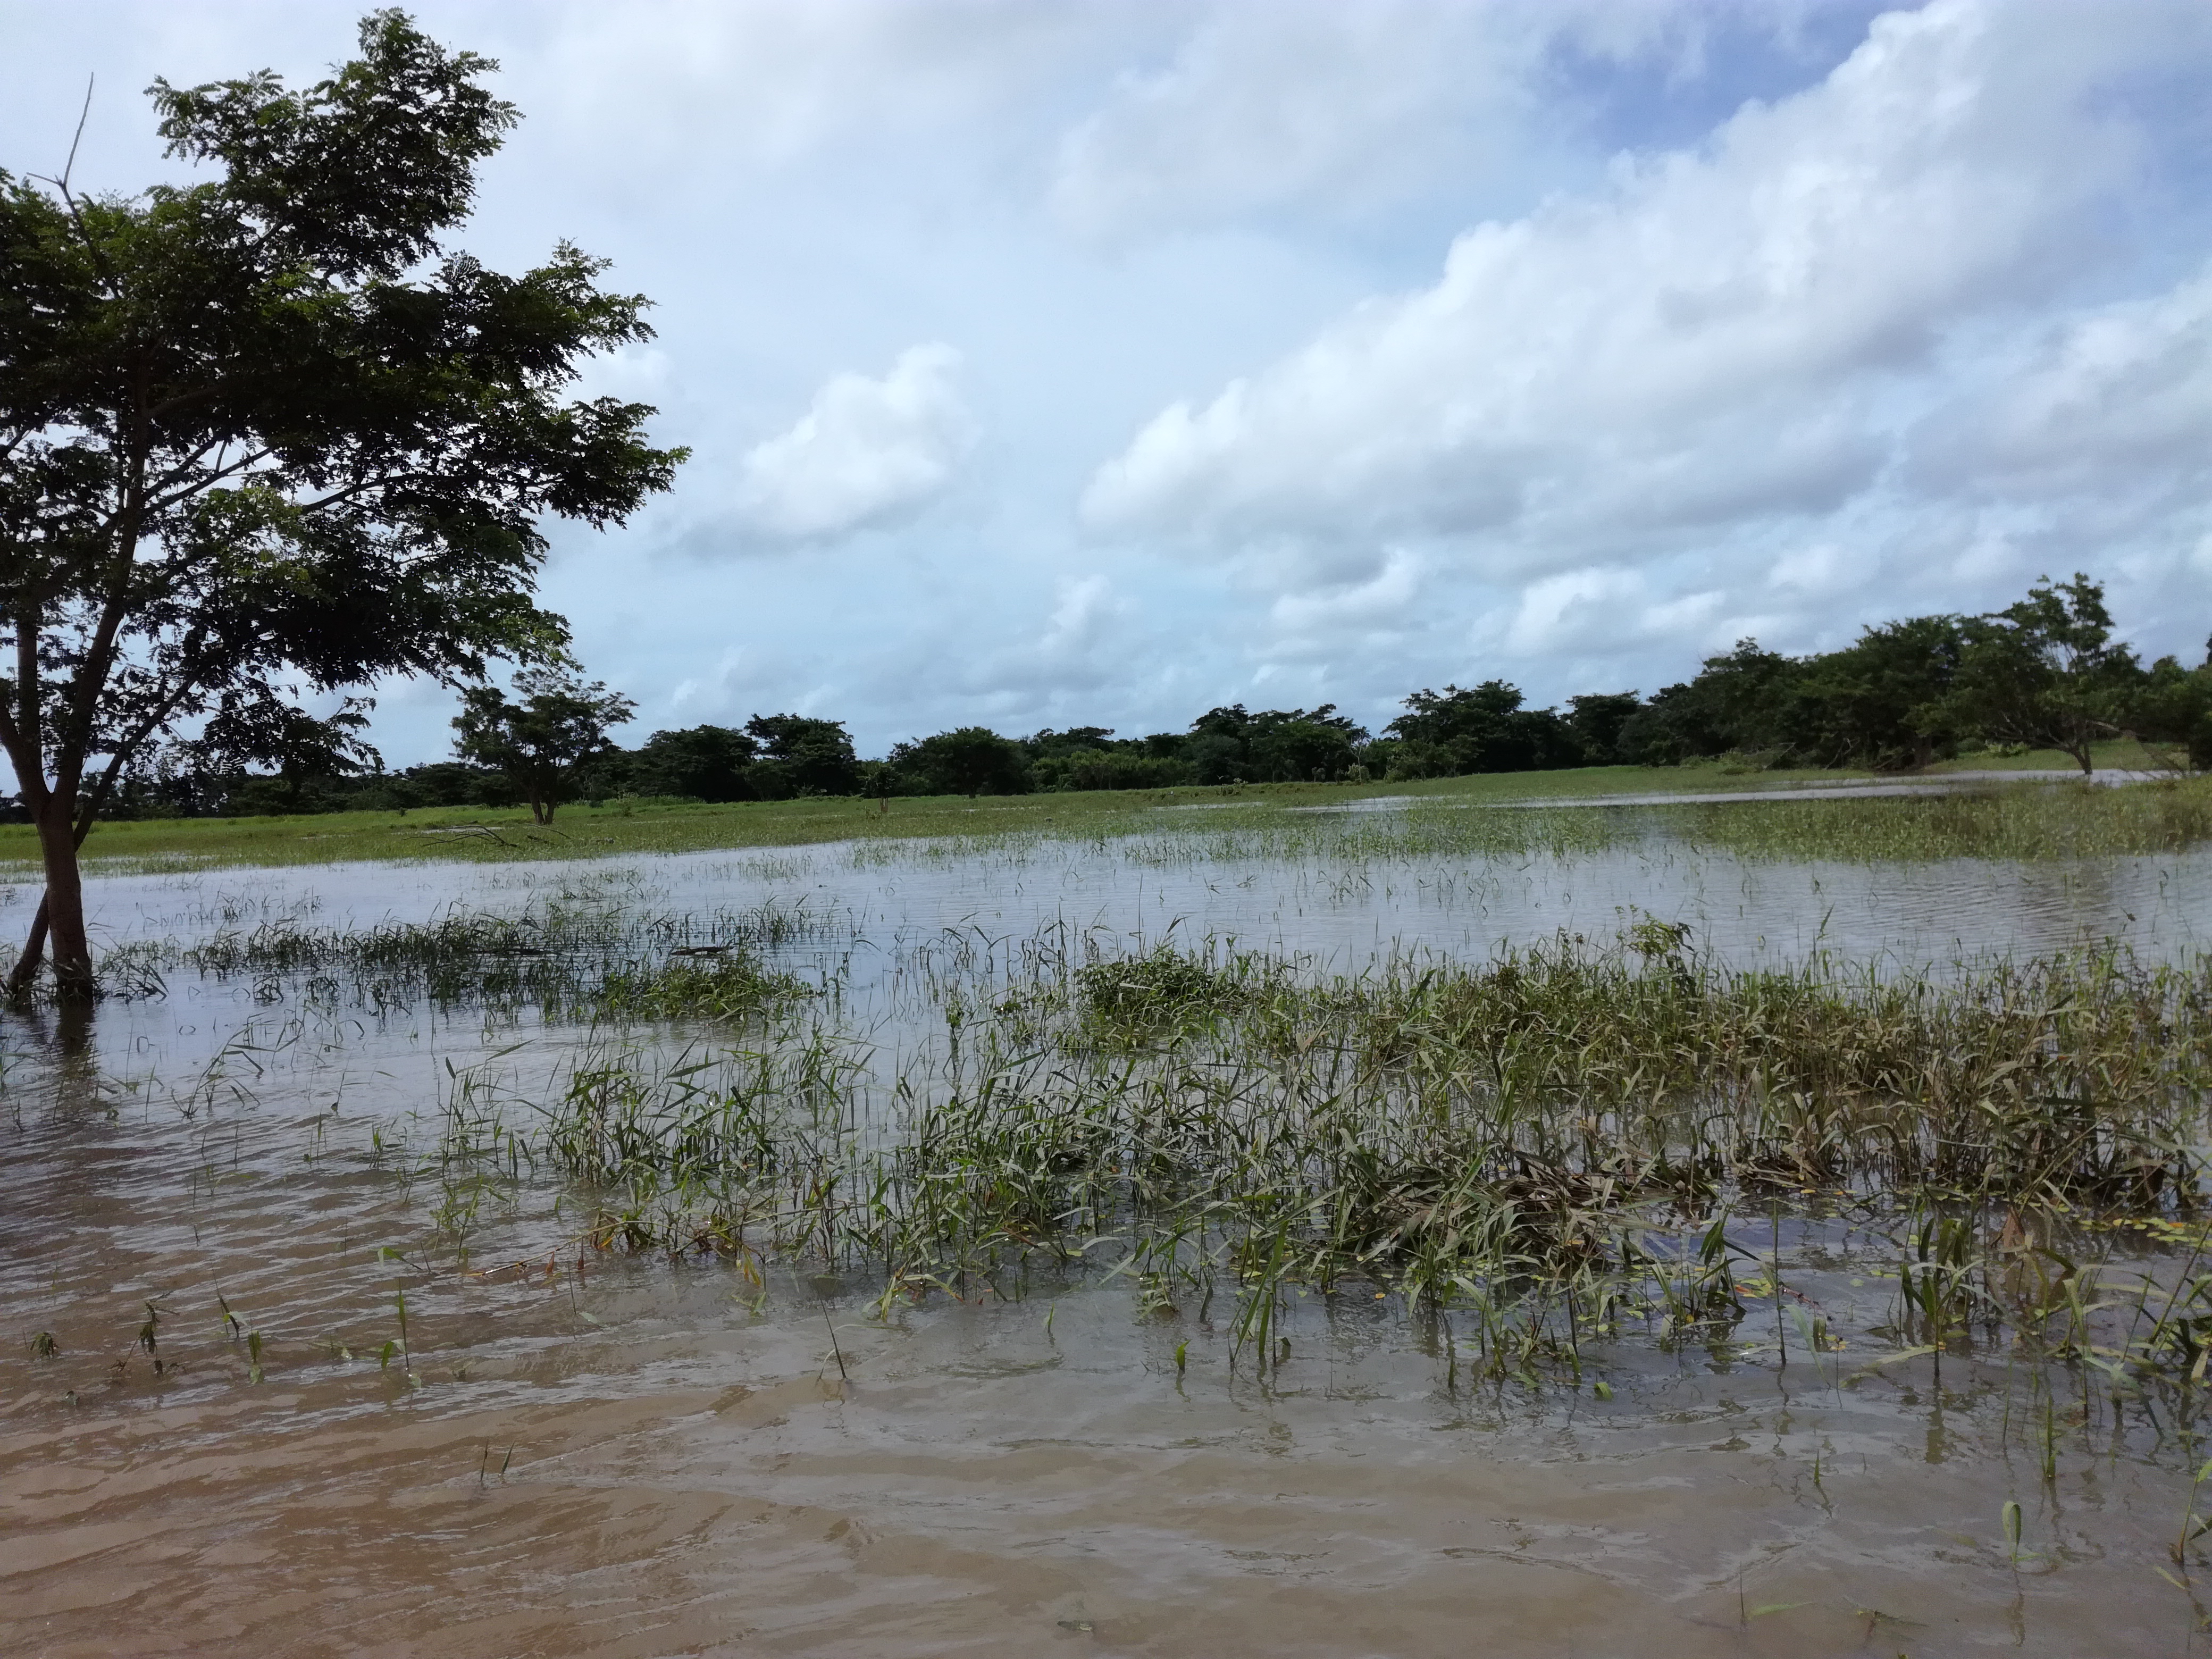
<point x="1880" y="700"/>
<point x="2046" y="672"/>
<point x="266" y="427"/>
<point x="971" y="761"/>
<point x="801" y="756"/>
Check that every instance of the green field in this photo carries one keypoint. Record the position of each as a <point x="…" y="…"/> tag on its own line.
<point x="495" y="834"/>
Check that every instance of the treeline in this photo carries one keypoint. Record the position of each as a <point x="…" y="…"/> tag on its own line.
<point x="2044" y="673"/>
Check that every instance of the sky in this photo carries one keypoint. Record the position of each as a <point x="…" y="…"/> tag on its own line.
<point x="1094" y="363"/>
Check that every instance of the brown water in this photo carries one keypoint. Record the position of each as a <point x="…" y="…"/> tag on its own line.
<point x="579" y="1453"/>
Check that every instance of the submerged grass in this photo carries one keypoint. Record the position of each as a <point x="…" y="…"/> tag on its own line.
<point x="568" y="962"/>
<point x="1548" y="1148"/>
<point x="2063" y="820"/>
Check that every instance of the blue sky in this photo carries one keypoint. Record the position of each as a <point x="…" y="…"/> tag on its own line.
<point x="1070" y="363"/>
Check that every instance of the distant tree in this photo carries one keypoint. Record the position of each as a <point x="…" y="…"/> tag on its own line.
<point x="1077" y="740"/>
<point x="443" y="783"/>
<point x="1485" y="729"/>
<point x="1595" y="720"/>
<point x="2046" y="672"/>
<point x="2175" y="710"/>
<point x="1216" y="757"/>
<point x="1232" y="745"/>
<point x="710" y="762"/>
<point x="1126" y="767"/>
<point x="538" y="742"/>
<point x="269" y="731"/>
<point x="264" y="429"/>
<point x="970" y="760"/>
<point x="801" y="756"/>
<point x="1735" y="704"/>
<point x="1880" y="700"/>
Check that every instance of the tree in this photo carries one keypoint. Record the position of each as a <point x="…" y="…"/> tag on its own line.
<point x="709" y="763"/>
<point x="2175" y="710"/>
<point x="971" y="761"/>
<point x="539" y="742"/>
<point x="267" y="429"/>
<point x="1736" y="704"/>
<point x="800" y="755"/>
<point x="1880" y="700"/>
<point x="1482" y="729"/>
<point x="1232" y="745"/>
<point x="1595" y="718"/>
<point x="1125" y="767"/>
<point x="2046" y="672"/>
<point x="266" y="730"/>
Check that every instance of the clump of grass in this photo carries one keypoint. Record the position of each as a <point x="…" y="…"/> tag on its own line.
<point x="2029" y="822"/>
<point x="1132" y="998"/>
<point x="728" y="985"/>
<point x="1545" y="1146"/>
<point x="570" y="960"/>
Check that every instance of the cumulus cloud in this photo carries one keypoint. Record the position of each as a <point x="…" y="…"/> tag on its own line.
<point x="1304" y="100"/>
<point x="1740" y="334"/>
<point x="2123" y="386"/>
<point x="1374" y="609"/>
<point x="769" y="81"/>
<point x="866" y="451"/>
<point x="1084" y="644"/>
<point x="1318" y="108"/>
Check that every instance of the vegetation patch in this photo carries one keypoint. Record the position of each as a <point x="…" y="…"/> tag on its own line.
<point x="1559" y="1148"/>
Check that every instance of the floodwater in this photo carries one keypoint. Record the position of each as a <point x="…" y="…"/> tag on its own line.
<point x="566" y="1451"/>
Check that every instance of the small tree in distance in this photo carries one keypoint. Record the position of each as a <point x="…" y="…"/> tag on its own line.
<point x="538" y="743"/>
<point x="270" y="731"/>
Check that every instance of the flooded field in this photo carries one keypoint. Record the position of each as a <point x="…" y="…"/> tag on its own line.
<point x="1340" y="1240"/>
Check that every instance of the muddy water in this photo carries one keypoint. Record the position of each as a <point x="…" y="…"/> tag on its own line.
<point x="564" y="1452"/>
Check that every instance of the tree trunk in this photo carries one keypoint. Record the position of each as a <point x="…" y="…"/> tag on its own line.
<point x="72" y="951"/>
<point x="34" y="951"/>
<point x="34" y="948"/>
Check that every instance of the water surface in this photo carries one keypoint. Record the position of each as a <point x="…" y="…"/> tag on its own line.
<point x="577" y="1452"/>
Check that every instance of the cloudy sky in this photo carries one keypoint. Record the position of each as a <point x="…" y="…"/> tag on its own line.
<point x="1094" y="361"/>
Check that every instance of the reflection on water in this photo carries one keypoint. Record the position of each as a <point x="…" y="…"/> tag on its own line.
<point x="549" y="1449"/>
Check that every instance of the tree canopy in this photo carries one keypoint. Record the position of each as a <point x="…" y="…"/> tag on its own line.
<point x="558" y="723"/>
<point x="2046" y="672"/>
<point x="971" y="761"/>
<point x="267" y="429"/>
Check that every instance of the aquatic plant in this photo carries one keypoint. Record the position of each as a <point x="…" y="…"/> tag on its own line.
<point x="1547" y="1146"/>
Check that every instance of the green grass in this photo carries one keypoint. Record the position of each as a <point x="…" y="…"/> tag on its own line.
<point x="1547" y="1148"/>
<point x="572" y="959"/>
<point x="500" y="835"/>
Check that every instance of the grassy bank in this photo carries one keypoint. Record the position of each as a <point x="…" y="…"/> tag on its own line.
<point x="492" y="835"/>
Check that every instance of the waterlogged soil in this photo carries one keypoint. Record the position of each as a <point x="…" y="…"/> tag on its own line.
<point x="472" y="1433"/>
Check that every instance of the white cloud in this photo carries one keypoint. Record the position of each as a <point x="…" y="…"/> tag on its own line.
<point x="1383" y="602"/>
<point x="1822" y="568"/>
<point x="1725" y="337"/>
<point x="1299" y="102"/>
<point x="2126" y="385"/>
<point x="866" y="451"/>
<point x="767" y="81"/>
<point x="1320" y="108"/>
<point x="1895" y="338"/>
